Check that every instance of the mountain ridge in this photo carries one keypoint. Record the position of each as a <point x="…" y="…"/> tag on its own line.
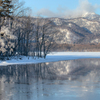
<point x="85" y="29"/>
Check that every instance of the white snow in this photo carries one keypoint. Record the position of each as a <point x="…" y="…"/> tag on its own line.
<point x="52" y="57"/>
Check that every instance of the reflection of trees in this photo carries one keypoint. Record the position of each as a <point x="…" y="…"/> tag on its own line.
<point x="24" y="78"/>
<point x="32" y="79"/>
<point x="23" y="74"/>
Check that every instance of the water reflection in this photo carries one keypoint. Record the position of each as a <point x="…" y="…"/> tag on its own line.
<point x="74" y="79"/>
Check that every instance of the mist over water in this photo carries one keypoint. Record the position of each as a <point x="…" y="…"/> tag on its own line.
<point x="67" y="80"/>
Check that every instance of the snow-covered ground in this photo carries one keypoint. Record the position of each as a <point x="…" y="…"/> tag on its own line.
<point x="52" y="57"/>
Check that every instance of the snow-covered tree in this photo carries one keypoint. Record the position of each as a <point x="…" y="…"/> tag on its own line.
<point x="6" y="41"/>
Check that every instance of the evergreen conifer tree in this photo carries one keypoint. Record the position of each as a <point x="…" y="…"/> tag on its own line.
<point x="5" y="10"/>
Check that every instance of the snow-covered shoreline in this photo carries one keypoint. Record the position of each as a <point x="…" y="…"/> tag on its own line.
<point x="52" y="57"/>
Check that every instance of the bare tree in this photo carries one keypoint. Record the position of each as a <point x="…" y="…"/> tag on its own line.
<point x="19" y="24"/>
<point x="28" y="33"/>
<point x="45" y="31"/>
<point x="48" y="31"/>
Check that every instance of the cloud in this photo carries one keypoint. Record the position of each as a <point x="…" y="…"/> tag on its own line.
<point x="83" y="7"/>
<point x="46" y="12"/>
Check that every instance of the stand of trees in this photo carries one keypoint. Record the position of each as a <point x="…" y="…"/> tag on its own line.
<point x="21" y="34"/>
<point x="44" y="33"/>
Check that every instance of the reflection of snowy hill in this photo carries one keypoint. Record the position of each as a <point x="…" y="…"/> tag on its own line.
<point x="83" y="69"/>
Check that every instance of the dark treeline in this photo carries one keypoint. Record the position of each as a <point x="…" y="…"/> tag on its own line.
<point x="21" y="34"/>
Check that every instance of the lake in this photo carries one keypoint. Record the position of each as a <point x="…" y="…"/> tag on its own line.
<point x="63" y="80"/>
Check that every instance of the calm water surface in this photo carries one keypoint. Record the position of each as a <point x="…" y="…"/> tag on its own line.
<point x="64" y="80"/>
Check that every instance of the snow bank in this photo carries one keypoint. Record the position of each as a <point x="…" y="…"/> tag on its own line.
<point x="52" y="57"/>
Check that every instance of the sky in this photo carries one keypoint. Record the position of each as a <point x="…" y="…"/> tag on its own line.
<point x="62" y="8"/>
